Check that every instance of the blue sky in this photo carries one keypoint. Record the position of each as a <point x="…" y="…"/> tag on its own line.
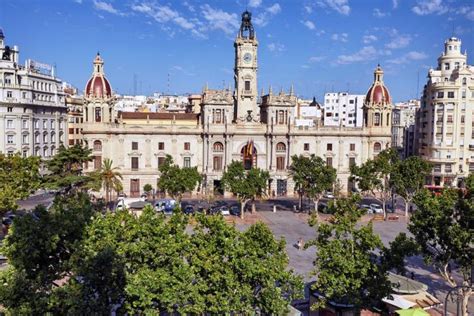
<point x="317" y="45"/>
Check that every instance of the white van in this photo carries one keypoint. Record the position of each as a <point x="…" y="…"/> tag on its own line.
<point x="124" y="203"/>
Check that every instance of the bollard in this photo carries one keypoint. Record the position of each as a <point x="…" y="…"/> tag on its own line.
<point x="274" y="208"/>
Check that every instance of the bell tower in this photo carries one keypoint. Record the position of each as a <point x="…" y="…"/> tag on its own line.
<point x="245" y="72"/>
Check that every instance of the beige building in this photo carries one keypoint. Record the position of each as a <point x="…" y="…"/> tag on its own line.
<point x="403" y="127"/>
<point x="230" y="125"/>
<point x="445" y="122"/>
<point x="32" y="106"/>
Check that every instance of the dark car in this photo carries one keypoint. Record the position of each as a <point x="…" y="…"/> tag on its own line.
<point x="189" y="209"/>
<point x="235" y="210"/>
<point x="213" y="210"/>
<point x="324" y="208"/>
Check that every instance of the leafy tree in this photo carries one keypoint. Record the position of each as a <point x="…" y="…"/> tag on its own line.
<point x="312" y="176"/>
<point x="147" y="188"/>
<point x="110" y="178"/>
<point x="442" y="227"/>
<point x="346" y="265"/>
<point x="175" y="180"/>
<point x="19" y="177"/>
<point x="39" y="248"/>
<point x="408" y="178"/>
<point x="65" y="169"/>
<point x="374" y="175"/>
<point x="246" y="185"/>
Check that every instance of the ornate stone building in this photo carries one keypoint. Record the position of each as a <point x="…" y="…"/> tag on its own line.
<point x="231" y="125"/>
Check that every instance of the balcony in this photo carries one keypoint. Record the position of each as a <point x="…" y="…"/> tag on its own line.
<point x="471" y="147"/>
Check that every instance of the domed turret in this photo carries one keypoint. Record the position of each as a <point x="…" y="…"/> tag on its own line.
<point x="98" y="86"/>
<point x="378" y="94"/>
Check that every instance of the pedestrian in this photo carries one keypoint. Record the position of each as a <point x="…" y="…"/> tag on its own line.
<point x="412" y="275"/>
<point x="300" y="243"/>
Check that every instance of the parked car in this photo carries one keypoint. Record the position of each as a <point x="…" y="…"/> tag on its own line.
<point x="166" y="206"/>
<point x="189" y="209"/>
<point x="366" y="208"/>
<point x="323" y="208"/>
<point x="213" y="210"/>
<point x="235" y="210"/>
<point x="224" y="210"/>
<point x="329" y="195"/>
<point x="376" y="208"/>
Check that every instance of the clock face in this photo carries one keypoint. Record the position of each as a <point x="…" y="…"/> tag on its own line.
<point x="247" y="57"/>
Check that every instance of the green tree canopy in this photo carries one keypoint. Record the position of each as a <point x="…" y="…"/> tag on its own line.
<point x="346" y="266"/>
<point x="374" y="175"/>
<point x="19" y="177"/>
<point x="110" y="178"/>
<point x="408" y="178"/>
<point x="442" y="227"/>
<point x="246" y="185"/>
<point x="312" y="177"/>
<point x="39" y="248"/>
<point x="175" y="180"/>
<point x="65" y="169"/>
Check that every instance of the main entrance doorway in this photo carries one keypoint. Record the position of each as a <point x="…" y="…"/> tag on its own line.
<point x="281" y="187"/>
<point x="249" y="156"/>
<point x="134" y="187"/>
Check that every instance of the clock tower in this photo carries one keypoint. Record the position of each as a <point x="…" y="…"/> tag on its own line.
<point x="245" y="72"/>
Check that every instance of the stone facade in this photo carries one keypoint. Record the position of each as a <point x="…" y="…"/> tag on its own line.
<point x="231" y="125"/>
<point x="445" y="123"/>
<point x="33" y="119"/>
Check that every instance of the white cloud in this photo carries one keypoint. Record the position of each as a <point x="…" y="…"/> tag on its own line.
<point x="264" y="17"/>
<point x="425" y="7"/>
<point x="468" y="12"/>
<point x="316" y="59"/>
<point x="379" y="14"/>
<point x="406" y="58"/>
<point x="367" y="39"/>
<point x="395" y="4"/>
<point x="255" y="3"/>
<point x="340" y="6"/>
<point x="276" y="47"/>
<point x="220" y="20"/>
<point x="398" y="40"/>
<point x="343" y="37"/>
<point x="182" y="70"/>
<point x="104" y="6"/>
<point x="366" y="53"/>
<point x="78" y="1"/>
<point x="308" y="9"/>
<point x="310" y="25"/>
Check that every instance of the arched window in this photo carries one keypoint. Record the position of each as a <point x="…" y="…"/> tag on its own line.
<point x="464" y="81"/>
<point x="97" y="145"/>
<point x="377" y="119"/>
<point x="281" y="147"/>
<point x="377" y="147"/>
<point x="388" y="119"/>
<point x="218" y="147"/>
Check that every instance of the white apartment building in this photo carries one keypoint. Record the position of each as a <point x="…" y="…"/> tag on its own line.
<point x="343" y="109"/>
<point x="403" y="126"/>
<point x="445" y="121"/>
<point x="33" y="118"/>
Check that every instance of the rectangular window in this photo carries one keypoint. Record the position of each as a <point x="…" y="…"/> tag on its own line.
<point x="9" y="94"/>
<point x="9" y="109"/>
<point x="36" y="124"/>
<point x="24" y="95"/>
<point x="281" y="117"/>
<point x="329" y="161"/>
<point x="352" y="161"/>
<point x="37" y="139"/>
<point x="9" y="123"/>
<point x="448" y="169"/>
<point x="161" y="161"/>
<point x="98" y="115"/>
<point x="97" y="162"/>
<point x="187" y="146"/>
<point x="377" y="119"/>
<point x="437" y="168"/>
<point x="25" y="153"/>
<point x="280" y="163"/>
<point x="217" y="163"/>
<point x="352" y="147"/>
<point x="440" y="94"/>
<point x="451" y="94"/>
<point x="462" y="118"/>
<point x="161" y="146"/>
<point x="45" y="124"/>
<point x="446" y="66"/>
<point x="9" y="139"/>
<point x="187" y="162"/>
<point x="247" y="85"/>
<point x="450" y="119"/>
<point x="329" y="147"/>
<point x="218" y="116"/>
<point x="306" y="146"/>
<point x="45" y="138"/>
<point x="25" y="139"/>
<point x="51" y="124"/>
<point x="134" y="145"/>
<point x="134" y="163"/>
<point x="25" y="124"/>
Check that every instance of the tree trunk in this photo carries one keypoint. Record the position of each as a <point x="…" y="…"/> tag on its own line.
<point x="406" y="209"/>
<point x="254" y="209"/>
<point x="300" y="202"/>
<point x="316" y="202"/>
<point x="242" y="209"/>
<point x="384" y="209"/>
<point x="466" y="294"/>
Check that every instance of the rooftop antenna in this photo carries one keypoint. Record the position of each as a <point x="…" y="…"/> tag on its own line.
<point x="134" y="84"/>
<point x="168" y="83"/>
<point x="417" y="84"/>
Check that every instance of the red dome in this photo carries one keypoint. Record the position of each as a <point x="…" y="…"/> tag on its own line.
<point x="378" y="93"/>
<point x="98" y="86"/>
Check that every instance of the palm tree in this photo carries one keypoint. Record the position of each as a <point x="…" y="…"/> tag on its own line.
<point x="110" y="177"/>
